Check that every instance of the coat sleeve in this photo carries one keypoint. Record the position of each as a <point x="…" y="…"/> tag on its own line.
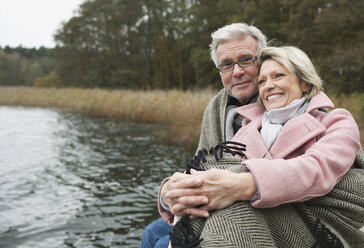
<point x="315" y="172"/>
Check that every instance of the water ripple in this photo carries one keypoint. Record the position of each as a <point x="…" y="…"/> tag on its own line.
<point x="68" y="180"/>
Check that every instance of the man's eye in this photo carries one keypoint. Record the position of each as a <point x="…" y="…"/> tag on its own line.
<point x="244" y="59"/>
<point x="227" y="64"/>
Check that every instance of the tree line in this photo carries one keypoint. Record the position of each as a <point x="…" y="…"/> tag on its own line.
<point x="22" y="66"/>
<point x="163" y="44"/>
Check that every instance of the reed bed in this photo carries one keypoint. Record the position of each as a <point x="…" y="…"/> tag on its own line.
<point x="182" y="112"/>
<point x="355" y="104"/>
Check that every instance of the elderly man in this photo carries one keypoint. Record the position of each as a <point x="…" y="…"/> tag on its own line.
<point x="233" y="50"/>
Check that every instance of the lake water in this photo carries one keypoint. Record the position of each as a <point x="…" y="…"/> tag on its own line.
<point x="68" y="180"/>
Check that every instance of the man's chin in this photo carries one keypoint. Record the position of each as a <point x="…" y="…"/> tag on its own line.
<point x="243" y="97"/>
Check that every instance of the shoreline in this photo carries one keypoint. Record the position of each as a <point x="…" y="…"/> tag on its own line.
<point x="181" y="111"/>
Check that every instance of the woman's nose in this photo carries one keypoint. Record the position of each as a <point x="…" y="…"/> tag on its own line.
<point x="269" y="84"/>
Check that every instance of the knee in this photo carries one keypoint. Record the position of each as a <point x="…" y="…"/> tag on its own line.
<point x="148" y="239"/>
<point x="153" y="232"/>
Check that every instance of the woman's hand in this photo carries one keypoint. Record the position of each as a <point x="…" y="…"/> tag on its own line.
<point x="185" y="203"/>
<point x="222" y="188"/>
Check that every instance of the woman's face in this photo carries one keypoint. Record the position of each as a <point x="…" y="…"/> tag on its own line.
<point x="277" y="86"/>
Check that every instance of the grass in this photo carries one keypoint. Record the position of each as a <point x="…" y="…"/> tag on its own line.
<point x="355" y="104"/>
<point x="181" y="111"/>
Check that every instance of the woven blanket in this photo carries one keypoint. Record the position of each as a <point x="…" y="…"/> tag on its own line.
<point x="333" y="220"/>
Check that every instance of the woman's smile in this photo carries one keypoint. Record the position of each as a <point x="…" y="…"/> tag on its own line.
<point x="274" y="96"/>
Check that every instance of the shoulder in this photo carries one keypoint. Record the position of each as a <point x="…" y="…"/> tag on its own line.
<point x="337" y="115"/>
<point x="338" y="122"/>
<point x="216" y="105"/>
<point x="220" y="98"/>
<point x="319" y="106"/>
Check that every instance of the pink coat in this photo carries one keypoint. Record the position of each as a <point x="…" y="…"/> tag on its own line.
<point x="311" y="154"/>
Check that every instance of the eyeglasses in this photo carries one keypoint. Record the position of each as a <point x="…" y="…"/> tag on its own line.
<point x="243" y="62"/>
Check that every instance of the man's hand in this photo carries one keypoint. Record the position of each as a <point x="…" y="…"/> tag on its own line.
<point x="222" y="188"/>
<point x="184" y="204"/>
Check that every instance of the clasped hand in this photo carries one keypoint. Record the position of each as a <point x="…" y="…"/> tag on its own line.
<point x="201" y="191"/>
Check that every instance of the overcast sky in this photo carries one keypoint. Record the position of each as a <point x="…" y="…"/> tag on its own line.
<point x="32" y="23"/>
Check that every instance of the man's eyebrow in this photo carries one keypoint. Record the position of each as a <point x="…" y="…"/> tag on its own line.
<point x="245" y="55"/>
<point x="225" y="60"/>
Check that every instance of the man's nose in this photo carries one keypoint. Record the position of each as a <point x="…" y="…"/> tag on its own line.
<point x="238" y="71"/>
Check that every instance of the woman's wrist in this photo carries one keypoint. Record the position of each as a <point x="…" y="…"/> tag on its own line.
<point x="246" y="186"/>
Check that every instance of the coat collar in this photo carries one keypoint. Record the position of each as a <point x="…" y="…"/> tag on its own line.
<point x="254" y="110"/>
<point x="295" y="132"/>
<point x="320" y="100"/>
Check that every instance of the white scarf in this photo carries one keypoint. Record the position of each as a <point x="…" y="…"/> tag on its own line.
<point x="273" y="120"/>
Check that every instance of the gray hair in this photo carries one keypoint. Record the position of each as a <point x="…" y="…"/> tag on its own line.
<point x="235" y="31"/>
<point x="294" y="60"/>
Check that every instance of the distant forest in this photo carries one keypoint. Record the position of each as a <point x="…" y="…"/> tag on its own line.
<point x="163" y="44"/>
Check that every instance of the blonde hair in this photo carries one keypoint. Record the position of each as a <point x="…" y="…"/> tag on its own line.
<point x="294" y="60"/>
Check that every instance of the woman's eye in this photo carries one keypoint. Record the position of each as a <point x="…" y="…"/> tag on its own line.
<point x="278" y="75"/>
<point x="260" y="82"/>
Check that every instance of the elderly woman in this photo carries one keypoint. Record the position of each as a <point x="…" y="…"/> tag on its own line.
<point x="296" y="150"/>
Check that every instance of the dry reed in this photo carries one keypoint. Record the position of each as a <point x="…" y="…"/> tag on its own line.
<point x="181" y="111"/>
<point x="355" y="104"/>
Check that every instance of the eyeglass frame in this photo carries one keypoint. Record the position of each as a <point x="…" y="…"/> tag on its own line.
<point x="236" y="62"/>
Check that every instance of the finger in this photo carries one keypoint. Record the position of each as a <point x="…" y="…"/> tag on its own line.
<point x="176" y="177"/>
<point x="206" y="207"/>
<point x="194" y="172"/>
<point x="186" y="183"/>
<point x="178" y="193"/>
<point x="191" y="211"/>
<point x="193" y="201"/>
<point x="188" y="202"/>
<point x="178" y="208"/>
<point x="196" y="212"/>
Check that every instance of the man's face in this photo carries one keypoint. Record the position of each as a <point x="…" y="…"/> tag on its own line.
<point x="240" y="83"/>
